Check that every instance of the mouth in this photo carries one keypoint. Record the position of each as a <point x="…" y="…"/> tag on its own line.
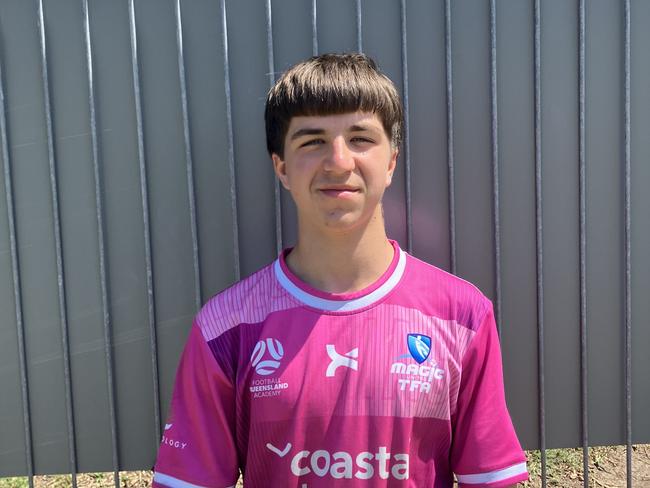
<point x="338" y="191"/>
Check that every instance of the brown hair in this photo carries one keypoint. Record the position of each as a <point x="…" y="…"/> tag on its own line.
<point x="331" y="84"/>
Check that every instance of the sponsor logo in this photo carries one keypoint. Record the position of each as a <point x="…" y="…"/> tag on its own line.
<point x="266" y="358"/>
<point x="349" y="360"/>
<point x="419" y="346"/>
<point x="173" y="443"/>
<point x="418" y="376"/>
<point x="279" y="452"/>
<point x="364" y="465"/>
<point x="168" y="441"/>
<point x="267" y="366"/>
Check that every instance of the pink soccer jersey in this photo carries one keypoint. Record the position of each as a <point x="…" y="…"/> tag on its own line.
<point x="399" y="384"/>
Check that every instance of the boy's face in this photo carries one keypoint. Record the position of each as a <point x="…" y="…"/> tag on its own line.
<point x="336" y="168"/>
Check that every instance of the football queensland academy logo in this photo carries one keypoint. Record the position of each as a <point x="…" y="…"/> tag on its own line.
<point x="266" y="356"/>
<point x="419" y="347"/>
<point x="265" y="359"/>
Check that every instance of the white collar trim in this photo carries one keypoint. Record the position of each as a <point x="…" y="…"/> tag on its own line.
<point x="341" y="305"/>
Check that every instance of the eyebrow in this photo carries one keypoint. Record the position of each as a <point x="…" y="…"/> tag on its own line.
<point x="306" y="132"/>
<point x="313" y="131"/>
<point x="363" y="128"/>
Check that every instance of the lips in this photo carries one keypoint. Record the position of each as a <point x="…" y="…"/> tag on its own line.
<point x="338" y="191"/>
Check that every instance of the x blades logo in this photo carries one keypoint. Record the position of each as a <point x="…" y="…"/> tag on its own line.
<point x="349" y="360"/>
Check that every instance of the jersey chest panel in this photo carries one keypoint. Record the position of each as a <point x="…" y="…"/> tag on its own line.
<point x="385" y="361"/>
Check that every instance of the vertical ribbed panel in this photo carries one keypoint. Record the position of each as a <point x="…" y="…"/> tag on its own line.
<point x="450" y="137"/>
<point x="188" y="156"/>
<point x="56" y="219"/>
<point x="17" y="296"/>
<point x="406" y="143"/>
<point x="359" y="27"/>
<point x="314" y="27"/>
<point x="144" y="193"/>
<point x="584" y="397"/>
<point x="101" y="244"/>
<point x="539" y="240"/>
<point x="628" y="248"/>
<point x="494" y="112"/>
<point x="276" y="183"/>
<point x="231" y="152"/>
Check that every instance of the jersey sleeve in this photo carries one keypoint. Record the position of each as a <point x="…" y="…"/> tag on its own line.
<point x="198" y="447"/>
<point x="485" y="450"/>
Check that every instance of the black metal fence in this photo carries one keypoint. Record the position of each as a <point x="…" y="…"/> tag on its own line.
<point x="136" y="186"/>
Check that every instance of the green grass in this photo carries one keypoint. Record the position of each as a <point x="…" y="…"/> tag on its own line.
<point x="560" y="464"/>
<point x="133" y="479"/>
<point x="17" y="482"/>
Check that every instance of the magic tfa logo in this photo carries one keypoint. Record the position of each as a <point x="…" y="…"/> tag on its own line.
<point x="364" y="465"/>
<point x="265" y="359"/>
<point x="418" y="375"/>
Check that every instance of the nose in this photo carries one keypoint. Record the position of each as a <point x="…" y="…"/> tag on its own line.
<point x="340" y="158"/>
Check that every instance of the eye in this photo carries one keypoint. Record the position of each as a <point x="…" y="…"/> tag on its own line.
<point x="312" y="142"/>
<point x="362" y="140"/>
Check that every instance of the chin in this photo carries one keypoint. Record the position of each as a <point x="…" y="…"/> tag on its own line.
<point x="344" y="222"/>
<point x="340" y="226"/>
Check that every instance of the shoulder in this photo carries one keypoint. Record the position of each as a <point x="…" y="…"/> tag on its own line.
<point x="445" y="295"/>
<point x="248" y="301"/>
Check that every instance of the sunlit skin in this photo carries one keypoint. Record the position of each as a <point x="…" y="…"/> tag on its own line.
<point x="336" y="168"/>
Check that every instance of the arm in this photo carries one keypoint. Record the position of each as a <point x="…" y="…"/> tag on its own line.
<point x="198" y="447"/>
<point x="485" y="451"/>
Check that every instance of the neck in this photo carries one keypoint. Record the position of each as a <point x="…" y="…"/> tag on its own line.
<point x="342" y="262"/>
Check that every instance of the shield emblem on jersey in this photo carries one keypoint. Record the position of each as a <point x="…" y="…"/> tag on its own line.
<point x="419" y="346"/>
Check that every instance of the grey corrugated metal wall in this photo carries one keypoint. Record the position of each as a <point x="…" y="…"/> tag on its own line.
<point x="135" y="185"/>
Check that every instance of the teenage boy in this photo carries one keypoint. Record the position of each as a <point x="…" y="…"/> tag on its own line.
<point x="346" y="362"/>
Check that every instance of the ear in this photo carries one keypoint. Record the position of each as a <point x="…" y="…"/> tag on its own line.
<point x="280" y="168"/>
<point x="391" y="166"/>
